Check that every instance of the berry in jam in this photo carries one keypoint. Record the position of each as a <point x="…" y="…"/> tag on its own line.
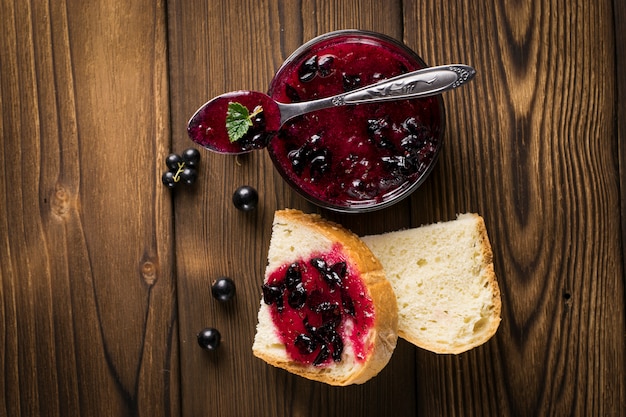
<point x="354" y="157"/>
<point x="318" y="305"/>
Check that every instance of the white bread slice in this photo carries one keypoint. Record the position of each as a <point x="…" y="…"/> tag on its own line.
<point x="444" y="280"/>
<point x="296" y="236"/>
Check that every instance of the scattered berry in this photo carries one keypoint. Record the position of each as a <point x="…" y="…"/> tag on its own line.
<point x="181" y="168"/>
<point x="168" y="179"/>
<point x="245" y="198"/>
<point x="191" y="157"/>
<point x="223" y="289"/>
<point x="188" y="175"/>
<point x="172" y="161"/>
<point x="209" y="338"/>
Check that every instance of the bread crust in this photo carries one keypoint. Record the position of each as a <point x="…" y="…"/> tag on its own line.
<point x="383" y="335"/>
<point x="490" y="273"/>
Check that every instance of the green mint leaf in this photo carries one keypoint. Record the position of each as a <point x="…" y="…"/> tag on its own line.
<point x="237" y="121"/>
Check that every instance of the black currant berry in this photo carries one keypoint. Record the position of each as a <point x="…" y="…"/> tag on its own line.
<point x="209" y="338"/>
<point x="298" y="160"/>
<point x="411" y="125"/>
<point x="337" y="347"/>
<point x="223" y="289"/>
<point x="305" y="344"/>
<point x="245" y="198"/>
<point x="191" y="157"/>
<point x="398" y="164"/>
<point x="168" y="179"/>
<point x="292" y="93"/>
<point x="308" y="70"/>
<point x="325" y="65"/>
<point x="188" y="175"/>
<point x="297" y="297"/>
<point x="411" y="142"/>
<point x="271" y="293"/>
<point x="293" y="277"/>
<point x="172" y="160"/>
<point x="351" y="82"/>
<point x="322" y="355"/>
<point x="319" y="264"/>
<point x="320" y="164"/>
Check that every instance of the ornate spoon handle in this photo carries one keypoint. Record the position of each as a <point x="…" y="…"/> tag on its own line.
<point x="420" y="83"/>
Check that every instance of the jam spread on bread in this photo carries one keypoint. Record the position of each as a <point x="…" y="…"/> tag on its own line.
<point x="318" y="306"/>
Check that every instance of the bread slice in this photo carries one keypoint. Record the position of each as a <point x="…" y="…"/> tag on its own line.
<point x="444" y="280"/>
<point x="360" y="309"/>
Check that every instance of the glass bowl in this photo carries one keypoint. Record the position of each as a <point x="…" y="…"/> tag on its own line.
<point x="362" y="157"/>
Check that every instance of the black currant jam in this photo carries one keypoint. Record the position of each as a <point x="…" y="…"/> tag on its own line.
<point x="319" y="306"/>
<point x="360" y="157"/>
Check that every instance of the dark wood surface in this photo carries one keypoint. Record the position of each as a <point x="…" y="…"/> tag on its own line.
<point x="105" y="274"/>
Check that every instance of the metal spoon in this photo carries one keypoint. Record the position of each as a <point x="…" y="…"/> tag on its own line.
<point x="207" y="126"/>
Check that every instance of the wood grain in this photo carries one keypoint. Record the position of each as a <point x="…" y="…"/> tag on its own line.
<point x="619" y="8"/>
<point x="88" y="302"/>
<point x="530" y="146"/>
<point x="105" y="274"/>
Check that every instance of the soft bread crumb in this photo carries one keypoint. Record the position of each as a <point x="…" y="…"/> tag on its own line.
<point x="444" y="281"/>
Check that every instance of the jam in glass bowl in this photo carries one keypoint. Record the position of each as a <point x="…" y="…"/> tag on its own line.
<point x="361" y="157"/>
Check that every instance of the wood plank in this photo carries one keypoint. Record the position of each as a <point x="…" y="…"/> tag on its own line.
<point x="87" y="291"/>
<point x="531" y="147"/>
<point x="619" y="8"/>
<point x="213" y="238"/>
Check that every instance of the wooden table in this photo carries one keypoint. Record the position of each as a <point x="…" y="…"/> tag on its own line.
<point x="105" y="273"/>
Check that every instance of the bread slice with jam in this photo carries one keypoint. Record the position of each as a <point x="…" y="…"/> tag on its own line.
<point x="327" y="313"/>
